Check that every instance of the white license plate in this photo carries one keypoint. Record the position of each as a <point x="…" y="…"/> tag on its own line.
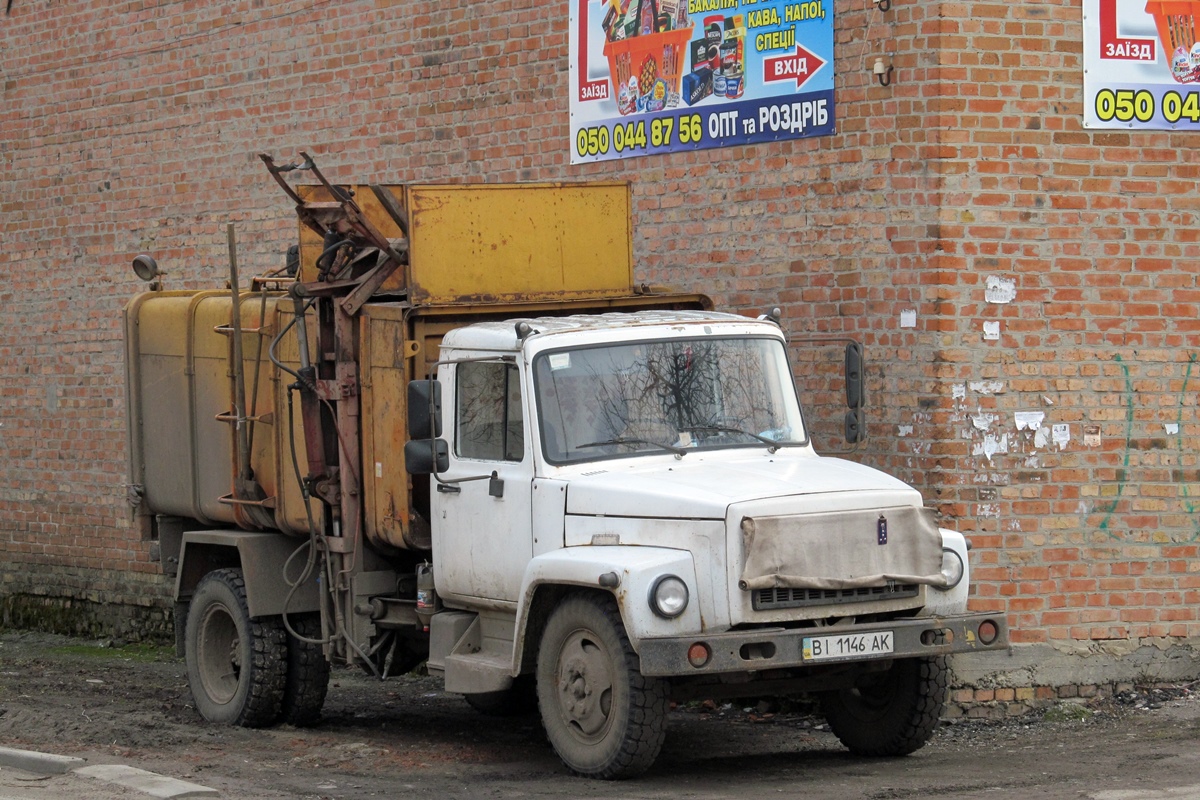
<point x="853" y="645"/>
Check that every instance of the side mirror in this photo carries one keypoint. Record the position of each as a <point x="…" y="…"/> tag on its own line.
<point x="426" y="456"/>
<point x="424" y="410"/>
<point x="855" y="394"/>
<point x="854" y="426"/>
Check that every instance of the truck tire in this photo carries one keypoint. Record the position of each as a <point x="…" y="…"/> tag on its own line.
<point x="307" y="679"/>
<point x="891" y="713"/>
<point x="517" y="700"/>
<point x="603" y="717"/>
<point x="235" y="664"/>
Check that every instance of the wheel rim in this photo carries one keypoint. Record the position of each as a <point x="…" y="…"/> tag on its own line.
<point x="220" y="656"/>
<point x="585" y="686"/>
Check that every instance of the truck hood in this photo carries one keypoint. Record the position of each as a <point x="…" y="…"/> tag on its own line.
<point x="703" y="486"/>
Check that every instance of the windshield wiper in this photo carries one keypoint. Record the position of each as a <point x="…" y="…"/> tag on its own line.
<point x="622" y="440"/>
<point x="772" y="444"/>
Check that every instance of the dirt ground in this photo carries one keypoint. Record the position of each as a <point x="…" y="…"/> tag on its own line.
<point x="407" y="738"/>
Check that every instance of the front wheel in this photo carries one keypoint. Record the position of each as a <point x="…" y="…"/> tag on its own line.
<point x="602" y="716"/>
<point x="890" y="713"/>
<point x="236" y="665"/>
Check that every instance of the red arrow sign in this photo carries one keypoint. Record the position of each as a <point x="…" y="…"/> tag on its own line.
<point x="798" y="66"/>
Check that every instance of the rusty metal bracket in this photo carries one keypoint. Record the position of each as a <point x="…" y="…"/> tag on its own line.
<point x="394" y="209"/>
<point x="266" y="419"/>
<point x="277" y="174"/>
<point x="340" y="389"/>
<point x="357" y="222"/>
<point x="345" y="217"/>
<point x="234" y="500"/>
<point x="368" y="284"/>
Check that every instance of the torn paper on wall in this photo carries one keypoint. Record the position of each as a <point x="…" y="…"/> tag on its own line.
<point x="991" y="331"/>
<point x="982" y="421"/>
<point x="987" y="387"/>
<point x="1041" y="437"/>
<point x="908" y="318"/>
<point x="1061" y="435"/>
<point x="990" y="446"/>
<point x="1000" y="290"/>
<point x="1029" y="420"/>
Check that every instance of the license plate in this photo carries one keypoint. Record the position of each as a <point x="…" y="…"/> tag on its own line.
<point x="853" y="645"/>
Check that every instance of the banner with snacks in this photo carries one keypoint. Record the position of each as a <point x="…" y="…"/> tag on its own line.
<point x="1141" y="64"/>
<point x="660" y="76"/>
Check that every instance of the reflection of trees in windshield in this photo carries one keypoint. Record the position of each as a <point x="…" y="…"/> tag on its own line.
<point x="686" y="381"/>
<point x="676" y="392"/>
<point x="681" y="384"/>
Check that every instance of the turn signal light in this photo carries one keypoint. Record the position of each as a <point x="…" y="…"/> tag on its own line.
<point x="699" y="654"/>
<point x="988" y="632"/>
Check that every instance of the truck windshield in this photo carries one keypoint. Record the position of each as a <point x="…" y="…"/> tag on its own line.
<point x="665" y="396"/>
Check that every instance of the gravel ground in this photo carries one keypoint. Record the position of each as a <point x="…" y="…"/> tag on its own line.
<point x="407" y="737"/>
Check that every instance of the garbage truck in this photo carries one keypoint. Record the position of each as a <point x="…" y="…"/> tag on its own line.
<point x="452" y="430"/>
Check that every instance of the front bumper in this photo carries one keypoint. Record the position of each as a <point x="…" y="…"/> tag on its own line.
<point x="784" y="648"/>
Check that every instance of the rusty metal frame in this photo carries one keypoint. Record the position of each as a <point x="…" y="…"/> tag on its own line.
<point x="330" y="382"/>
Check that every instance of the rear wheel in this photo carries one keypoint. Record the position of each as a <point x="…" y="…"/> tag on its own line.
<point x="235" y="664"/>
<point x="603" y="717"/>
<point x="890" y="713"/>
<point x="307" y="673"/>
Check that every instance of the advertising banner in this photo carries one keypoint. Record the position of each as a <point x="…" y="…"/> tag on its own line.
<point x="660" y="76"/>
<point x="1141" y="64"/>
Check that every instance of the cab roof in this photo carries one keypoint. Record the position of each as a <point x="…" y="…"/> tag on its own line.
<point x="503" y="335"/>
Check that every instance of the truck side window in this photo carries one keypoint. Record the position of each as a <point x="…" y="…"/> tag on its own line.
<point x="489" y="425"/>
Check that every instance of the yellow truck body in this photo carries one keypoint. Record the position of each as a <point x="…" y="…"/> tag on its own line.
<point x="475" y="252"/>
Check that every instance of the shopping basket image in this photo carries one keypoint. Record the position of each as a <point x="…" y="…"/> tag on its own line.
<point x="1176" y="24"/>
<point x="656" y="60"/>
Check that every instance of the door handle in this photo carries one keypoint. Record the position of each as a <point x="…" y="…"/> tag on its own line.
<point x="445" y="488"/>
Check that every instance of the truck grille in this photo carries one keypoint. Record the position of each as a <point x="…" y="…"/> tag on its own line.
<point x="770" y="599"/>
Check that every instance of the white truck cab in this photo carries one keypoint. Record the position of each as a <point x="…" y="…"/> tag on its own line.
<point x="632" y="499"/>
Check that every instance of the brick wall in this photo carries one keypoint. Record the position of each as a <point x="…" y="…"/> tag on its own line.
<point x="1090" y="544"/>
<point x="128" y="127"/>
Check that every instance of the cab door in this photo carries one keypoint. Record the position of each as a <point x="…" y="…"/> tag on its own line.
<point x="481" y="504"/>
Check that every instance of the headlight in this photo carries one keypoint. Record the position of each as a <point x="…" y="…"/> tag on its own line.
<point x="668" y="596"/>
<point x="952" y="568"/>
